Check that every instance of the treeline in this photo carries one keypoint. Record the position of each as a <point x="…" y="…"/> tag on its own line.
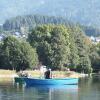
<point x="59" y="46"/>
<point x="56" y="46"/>
<point x="95" y="57"/>
<point x="29" y="22"/>
<point x="16" y="54"/>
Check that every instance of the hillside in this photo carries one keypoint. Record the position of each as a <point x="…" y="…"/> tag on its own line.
<point x="80" y="11"/>
<point x="28" y="22"/>
<point x="91" y="31"/>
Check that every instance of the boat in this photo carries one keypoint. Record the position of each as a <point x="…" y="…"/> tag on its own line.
<point x="54" y="81"/>
<point x="19" y="80"/>
<point x="72" y="88"/>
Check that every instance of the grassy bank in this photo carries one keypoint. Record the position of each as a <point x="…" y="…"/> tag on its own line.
<point x="55" y="74"/>
<point x="7" y="72"/>
<point x="7" y="75"/>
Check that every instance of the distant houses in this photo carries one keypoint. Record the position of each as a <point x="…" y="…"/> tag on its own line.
<point x="19" y="35"/>
<point x="95" y="40"/>
<point x="16" y="34"/>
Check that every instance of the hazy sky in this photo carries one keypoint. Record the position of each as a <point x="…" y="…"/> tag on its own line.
<point x="12" y="8"/>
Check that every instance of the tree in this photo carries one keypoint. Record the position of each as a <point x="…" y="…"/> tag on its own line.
<point x="83" y="51"/>
<point x="52" y="43"/>
<point x="18" y="54"/>
<point x="74" y="57"/>
<point x="59" y="45"/>
<point x="95" y="57"/>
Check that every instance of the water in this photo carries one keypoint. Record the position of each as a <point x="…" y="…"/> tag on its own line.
<point x="87" y="89"/>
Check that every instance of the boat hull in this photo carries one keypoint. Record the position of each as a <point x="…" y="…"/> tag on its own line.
<point x="64" y="81"/>
<point x="19" y="80"/>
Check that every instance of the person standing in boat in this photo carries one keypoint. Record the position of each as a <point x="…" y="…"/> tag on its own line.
<point x="48" y="74"/>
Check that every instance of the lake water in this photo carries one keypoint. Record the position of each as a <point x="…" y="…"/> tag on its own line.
<point x="87" y="89"/>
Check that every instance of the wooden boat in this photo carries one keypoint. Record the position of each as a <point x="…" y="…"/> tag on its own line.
<point x="56" y="81"/>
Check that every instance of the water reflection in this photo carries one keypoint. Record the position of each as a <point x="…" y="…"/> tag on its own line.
<point x="52" y="92"/>
<point x="10" y="91"/>
<point x="87" y="89"/>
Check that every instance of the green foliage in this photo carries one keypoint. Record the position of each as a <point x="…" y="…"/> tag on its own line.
<point x="58" y="45"/>
<point x="83" y="50"/>
<point x="95" y="57"/>
<point x="52" y="43"/>
<point x="17" y="54"/>
<point x="74" y="57"/>
<point x="85" y="64"/>
<point x="31" y="21"/>
<point x="23" y="24"/>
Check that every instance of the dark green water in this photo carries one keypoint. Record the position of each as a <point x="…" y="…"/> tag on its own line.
<point x="87" y="89"/>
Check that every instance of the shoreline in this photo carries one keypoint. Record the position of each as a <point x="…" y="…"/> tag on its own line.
<point x="35" y="73"/>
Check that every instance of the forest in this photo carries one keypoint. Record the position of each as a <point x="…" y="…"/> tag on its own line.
<point x="29" y="22"/>
<point x="53" y="41"/>
<point x="56" y="46"/>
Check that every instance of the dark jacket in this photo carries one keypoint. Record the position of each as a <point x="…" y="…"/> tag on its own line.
<point x="47" y="74"/>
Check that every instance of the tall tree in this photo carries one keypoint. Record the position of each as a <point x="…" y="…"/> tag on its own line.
<point x="52" y="43"/>
<point x="83" y="51"/>
<point x="74" y="57"/>
<point x="18" y="54"/>
<point x="59" y="45"/>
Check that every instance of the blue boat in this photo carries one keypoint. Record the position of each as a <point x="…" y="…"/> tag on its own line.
<point x="69" y="88"/>
<point x="55" y="81"/>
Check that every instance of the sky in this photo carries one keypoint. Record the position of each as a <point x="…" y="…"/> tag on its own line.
<point x="77" y="9"/>
<point x="12" y="8"/>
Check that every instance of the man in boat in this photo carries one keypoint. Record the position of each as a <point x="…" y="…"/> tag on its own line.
<point x="48" y="74"/>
